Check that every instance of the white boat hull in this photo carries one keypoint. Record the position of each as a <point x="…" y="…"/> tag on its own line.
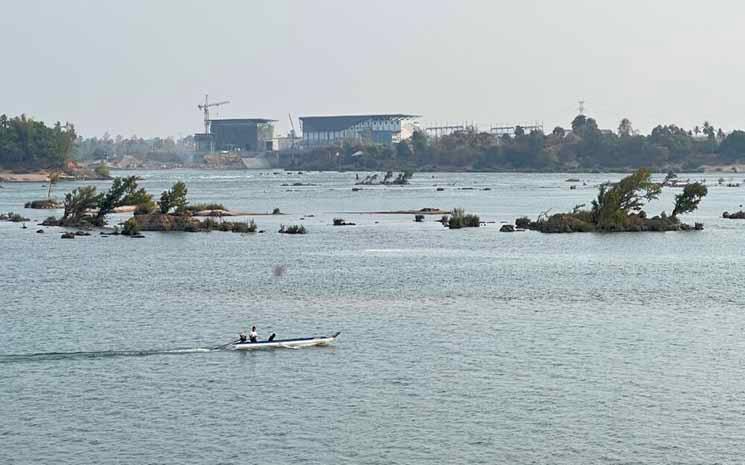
<point x="286" y="343"/>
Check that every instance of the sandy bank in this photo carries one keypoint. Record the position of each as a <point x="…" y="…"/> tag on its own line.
<point x="423" y="211"/>
<point x="39" y="176"/>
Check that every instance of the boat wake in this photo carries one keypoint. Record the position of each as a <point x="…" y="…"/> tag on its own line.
<point x="46" y="356"/>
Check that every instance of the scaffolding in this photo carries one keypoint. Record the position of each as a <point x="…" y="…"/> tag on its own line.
<point x="510" y="129"/>
<point x="448" y="129"/>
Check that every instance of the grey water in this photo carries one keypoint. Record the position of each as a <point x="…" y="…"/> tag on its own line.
<point x="468" y="346"/>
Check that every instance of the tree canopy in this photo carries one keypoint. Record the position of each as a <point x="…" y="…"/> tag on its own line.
<point x="29" y="144"/>
<point x="584" y="146"/>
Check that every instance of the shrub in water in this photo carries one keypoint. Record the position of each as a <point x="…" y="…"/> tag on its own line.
<point x="248" y="227"/>
<point x="459" y="219"/>
<point x="13" y="217"/>
<point x="198" y="207"/>
<point x="293" y="229"/>
<point x="131" y="227"/>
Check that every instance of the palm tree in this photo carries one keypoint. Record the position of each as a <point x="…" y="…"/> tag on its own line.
<point x="625" y="128"/>
<point x="53" y="178"/>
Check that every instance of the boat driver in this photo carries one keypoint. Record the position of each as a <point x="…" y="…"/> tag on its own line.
<point x="252" y="336"/>
<point x="242" y="336"/>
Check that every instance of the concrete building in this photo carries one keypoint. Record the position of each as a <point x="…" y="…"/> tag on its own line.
<point x="331" y="130"/>
<point x="238" y="134"/>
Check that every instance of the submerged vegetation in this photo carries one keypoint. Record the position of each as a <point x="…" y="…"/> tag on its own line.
<point x="388" y="180"/>
<point x="292" y="229"/>
<point x="12" y="217"/>
<point x="618" y="207"/>
<point x="342" y="222"/>
<point x="84" y="207"/>
<point x="199" y="207"/>
<point x="460" y="219"/>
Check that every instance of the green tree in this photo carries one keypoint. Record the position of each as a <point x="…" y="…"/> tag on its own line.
<point x="688" y="200"/>
<point x="103" y="171"/>
<point x="733" y="146"/>
<point x="29" y="144"/>
<point x="52" y="179"/>
<point x="403" y="151"/>
<point x="78" y="205"/>
<point x="624" y="128"/>
<point x="419" y="141"/>
<point x="615" y="202"/>
<point x="578" y="123"/>
<point x="174" y="198"/>
<point x="709" y="131"/>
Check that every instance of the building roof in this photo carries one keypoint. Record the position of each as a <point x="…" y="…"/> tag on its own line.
<point x="339" y="123"/>
<point x="242" y="121"/>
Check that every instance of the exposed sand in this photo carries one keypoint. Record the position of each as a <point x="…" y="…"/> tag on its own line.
<point x="233" y="213"/>
<point x="39" y="176"/>
<point x="423" y="211"/>
<point x="724" y="168"/>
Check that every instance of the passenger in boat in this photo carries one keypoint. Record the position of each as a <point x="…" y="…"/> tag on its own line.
<point x="243" y="336"/>
<point x="252" y="336"/>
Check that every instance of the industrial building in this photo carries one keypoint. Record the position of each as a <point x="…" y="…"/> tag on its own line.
<point x="241" y="134"/>
<point x="330" y="130"/>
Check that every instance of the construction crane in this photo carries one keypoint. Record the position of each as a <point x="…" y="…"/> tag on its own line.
<point x="206" y="109"/>
<point x="292" y="132"/>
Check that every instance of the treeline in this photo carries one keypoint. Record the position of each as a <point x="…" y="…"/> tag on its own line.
<point x="29" y="144"/>
<point x="156" y="148"/>
<point x="583" y="147"/>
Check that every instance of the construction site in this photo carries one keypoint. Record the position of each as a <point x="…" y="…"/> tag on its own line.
<point x="252" y="142"/>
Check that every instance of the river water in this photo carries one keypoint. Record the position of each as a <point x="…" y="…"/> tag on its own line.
<point x="467" y="346"/>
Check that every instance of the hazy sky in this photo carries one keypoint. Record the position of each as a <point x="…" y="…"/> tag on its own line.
<point x="141" y="67"/>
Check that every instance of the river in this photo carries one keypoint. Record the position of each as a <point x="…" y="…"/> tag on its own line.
<point x="465" y="346"/>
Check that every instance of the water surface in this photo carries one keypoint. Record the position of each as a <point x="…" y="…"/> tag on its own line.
<point x="468" y="346"/>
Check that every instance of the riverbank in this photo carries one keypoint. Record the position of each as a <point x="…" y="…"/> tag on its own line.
<point x="37" y="176"/>
<point x="43" y="176"/>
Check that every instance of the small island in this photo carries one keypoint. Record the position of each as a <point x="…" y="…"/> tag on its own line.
<point x="618" y="208"/>
<point x="85" y="208"/>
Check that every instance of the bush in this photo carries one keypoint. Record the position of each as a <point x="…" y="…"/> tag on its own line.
<point x="131" y="227"/>
<point x="103" y="171"/>
<point x="247" y="227"/>
<point x="276" y="212"/>
<point x="174" y="198"/>
<point x="522" y="223"/>
<point x="459" y="219"/>
<point x="293" y="229"/>
<point x="189" y="227"/>
<point x="12" y="217"/>
<point x="209" y="224"/>
<point x="419" y="218"/>
<point x="43" y="204"/>
<point x="51" y="221"/>
<point x="339" y="222"/>
<point x="198" y="207"/>
<point x="471" y="221"/>
<point x="145" y="208"/>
